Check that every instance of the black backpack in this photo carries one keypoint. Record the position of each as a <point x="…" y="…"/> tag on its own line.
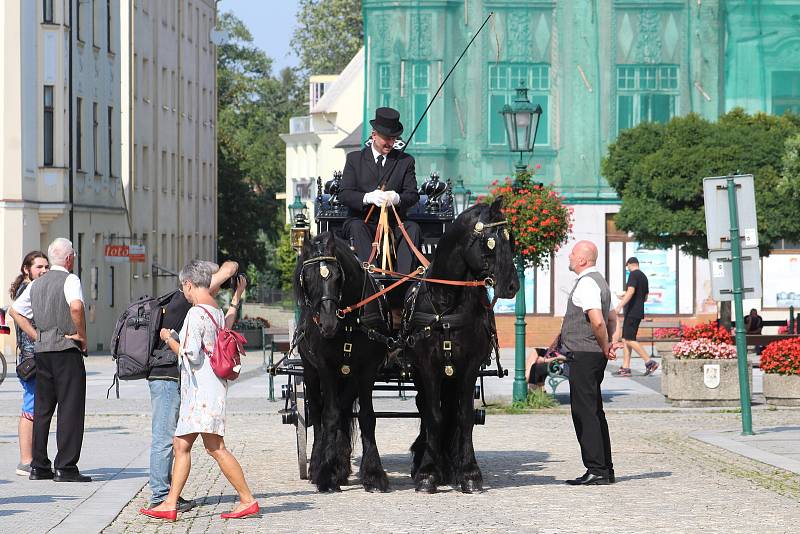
<point x="136" y="337"/>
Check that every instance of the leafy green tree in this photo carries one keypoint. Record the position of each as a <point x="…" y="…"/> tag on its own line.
<point x="790" y="183"/>
<point x="658" y="171"/>
<point x="254" y="108"/>
<point x="328" y="35"/>
<point x="286" y="260"/>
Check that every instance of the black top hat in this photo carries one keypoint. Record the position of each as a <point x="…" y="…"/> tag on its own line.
<point x="387" y="122"/>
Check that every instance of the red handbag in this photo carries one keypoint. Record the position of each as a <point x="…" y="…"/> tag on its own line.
<point x="226" y="358"/>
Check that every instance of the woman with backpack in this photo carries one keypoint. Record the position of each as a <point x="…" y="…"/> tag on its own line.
<point x="34" y="265"/>
<point x="203" y="395"/>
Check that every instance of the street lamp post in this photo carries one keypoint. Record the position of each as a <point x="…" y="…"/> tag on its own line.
<point x="461" y="196"/>
<point x="521" y="120"/>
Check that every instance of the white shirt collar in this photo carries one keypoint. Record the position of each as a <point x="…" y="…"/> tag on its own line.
<point x="592" y="269"/>
<point x="58" y="268"/>
<point x="375" y="155"/>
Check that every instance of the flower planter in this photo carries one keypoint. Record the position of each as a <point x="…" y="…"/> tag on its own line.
<point x="686" y="384"/>
<point x="253" y="338"/>
<point x="782" y="390"/>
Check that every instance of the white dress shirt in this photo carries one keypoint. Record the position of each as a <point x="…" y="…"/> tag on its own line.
<point x="72" y="291"/>
<point x="587" y="293"/>
<point x="375" y="155"/>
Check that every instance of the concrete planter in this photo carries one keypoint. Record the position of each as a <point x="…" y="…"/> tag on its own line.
<point x="253" y="338"/>
<point x="687" y="384"/>
<point x="665" y="363"/>
<point x="782" y="390"/>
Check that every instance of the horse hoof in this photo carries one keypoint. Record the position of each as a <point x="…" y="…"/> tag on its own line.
<point x="426" y="485"/>
<point x="471" y="486"/>
<point x="333" y="488"/>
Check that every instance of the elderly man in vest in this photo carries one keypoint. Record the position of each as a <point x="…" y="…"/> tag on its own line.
<point x="55" y="302"/>
<point x="589" y="324"/>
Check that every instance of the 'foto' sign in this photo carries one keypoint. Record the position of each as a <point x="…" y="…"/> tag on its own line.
<point x="116" y="253"/>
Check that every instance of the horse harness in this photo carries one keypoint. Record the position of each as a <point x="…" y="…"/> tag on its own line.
<point x="368" y="323"/>
<point x="426" y="323"/>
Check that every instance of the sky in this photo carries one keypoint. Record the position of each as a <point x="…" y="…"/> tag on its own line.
<point x="271" y="22"/>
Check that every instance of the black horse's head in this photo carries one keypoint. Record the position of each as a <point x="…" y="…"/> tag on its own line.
<point x="489" y="252"/>
<point x="319" y="282"/>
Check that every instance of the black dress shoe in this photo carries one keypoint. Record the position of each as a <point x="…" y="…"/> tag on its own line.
<point x="611" y="478"/>
<point x="37" y="473"/>
<point x="70" y="476"/>
<point x="589" y="479"/>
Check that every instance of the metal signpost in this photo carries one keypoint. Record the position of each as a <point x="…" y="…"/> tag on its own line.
<point x="725" y="235"/>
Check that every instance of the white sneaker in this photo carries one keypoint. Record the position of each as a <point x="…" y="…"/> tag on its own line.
<point x="23" y="470"/>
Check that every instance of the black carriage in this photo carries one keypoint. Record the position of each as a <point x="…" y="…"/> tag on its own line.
<point x="434" y="214"/>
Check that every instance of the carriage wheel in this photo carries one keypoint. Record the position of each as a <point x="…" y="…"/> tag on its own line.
<point x="300" y="426"/>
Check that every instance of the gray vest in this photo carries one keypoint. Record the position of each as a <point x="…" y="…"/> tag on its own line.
<point x="51" y="313"/>
<point x="576" y="330"/>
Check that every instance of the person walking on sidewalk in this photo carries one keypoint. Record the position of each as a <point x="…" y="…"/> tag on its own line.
<point x="34" y="264"/>
<point x="632" y="302"/>
<point x="589" y="323"/>
<point x="55" y="302"/>
<point x="165" y="393"/>
<point x="203" y="396"/>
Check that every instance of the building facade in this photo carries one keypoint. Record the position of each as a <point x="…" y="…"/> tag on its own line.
<point x="335" y="107"/>
<point x="596" y="68"/>
<point x="73" y="161"/>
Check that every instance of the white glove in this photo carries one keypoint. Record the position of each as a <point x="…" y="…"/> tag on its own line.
<point x="393" y="197"/>
<point x="376" y="197"/>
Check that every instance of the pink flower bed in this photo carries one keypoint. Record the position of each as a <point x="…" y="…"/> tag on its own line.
<point x="703" y="348"/>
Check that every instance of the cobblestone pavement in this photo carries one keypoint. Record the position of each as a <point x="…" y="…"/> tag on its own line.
<point x="667" y="482"/>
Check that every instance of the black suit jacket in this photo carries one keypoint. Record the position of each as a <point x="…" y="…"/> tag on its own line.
<point x="361" y="176"/>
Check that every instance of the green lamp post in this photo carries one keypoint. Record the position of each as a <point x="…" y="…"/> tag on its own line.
<point x="521" y="120"/>
<point x="461" y="197"/>
<point x="300" y="232"/>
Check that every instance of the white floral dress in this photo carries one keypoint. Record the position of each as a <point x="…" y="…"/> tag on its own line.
<point x="202" y="392"/>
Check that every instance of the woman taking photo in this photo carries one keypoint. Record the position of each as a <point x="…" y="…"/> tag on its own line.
<point x="34" y="265"/>
<point x="202" y="410"/>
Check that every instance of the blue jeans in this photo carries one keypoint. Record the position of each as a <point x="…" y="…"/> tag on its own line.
<point x="165" y="398"/>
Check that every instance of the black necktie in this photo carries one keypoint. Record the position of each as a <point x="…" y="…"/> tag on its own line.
<point x="380" y="165"/>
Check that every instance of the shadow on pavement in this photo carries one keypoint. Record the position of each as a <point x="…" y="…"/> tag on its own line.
<point x="643" y="476"/>
<point x="35" y="499"/>
<point x="106" y="473"/>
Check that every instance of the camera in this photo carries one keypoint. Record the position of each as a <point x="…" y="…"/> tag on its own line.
<point x="233" y="282"/>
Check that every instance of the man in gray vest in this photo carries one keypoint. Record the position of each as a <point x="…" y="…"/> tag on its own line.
<point x="55" y="302"/>
<point x="586" y="332"/>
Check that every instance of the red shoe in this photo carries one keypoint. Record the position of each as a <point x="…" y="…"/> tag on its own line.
<point x="169" y="515"/>
<point x="250" y="510"/>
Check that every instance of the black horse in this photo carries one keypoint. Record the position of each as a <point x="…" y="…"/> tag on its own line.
<point x="341" y="354"/>
<point x="450" y="332"/>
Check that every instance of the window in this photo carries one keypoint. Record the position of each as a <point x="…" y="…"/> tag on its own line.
<point x="785" y="92"/>
<point x="504" y="78"/>
<point x="96" y="139"/>
<point x="420" y="95"/>
<point x="48" y="125"/>
<point x="47" y="11"/>
<point x="384" y="83"/>
<point x="78" y="26"/>
<point x="79" y="134"/>
<point x="95" y="25"/>
<point x="145" y="168"/>
<point x="110" y="122"/>
<point x="646" y="94"/>
<point x="164" y="176"/>
<point x="108" y="29"/>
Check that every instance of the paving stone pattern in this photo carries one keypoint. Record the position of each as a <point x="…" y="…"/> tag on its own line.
<point x="667" y="482"/>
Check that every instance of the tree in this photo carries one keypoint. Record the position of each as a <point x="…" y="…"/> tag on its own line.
<point x="254" y="108"/>
<point x="328" y="35"/>
<point x="658" y="171"/>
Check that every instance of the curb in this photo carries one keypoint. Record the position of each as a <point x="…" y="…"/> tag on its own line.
<point x="747" y="450"/>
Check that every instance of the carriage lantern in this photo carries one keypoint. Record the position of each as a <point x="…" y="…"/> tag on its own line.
<point x="462" y="196"/>
<point x="300" y="230"/>
<point x="522" y="123"/>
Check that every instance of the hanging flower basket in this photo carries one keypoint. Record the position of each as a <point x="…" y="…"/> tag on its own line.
<point x="538" y="220"/>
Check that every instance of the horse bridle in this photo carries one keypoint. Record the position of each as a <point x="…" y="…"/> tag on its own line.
<point x="488" y="245"/>
<point x="324" y="272"/>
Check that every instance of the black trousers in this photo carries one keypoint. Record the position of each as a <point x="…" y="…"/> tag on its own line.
<point x="363" y="233"/>
<point x="60" y="381"/>
<point x="585" y="376"/>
